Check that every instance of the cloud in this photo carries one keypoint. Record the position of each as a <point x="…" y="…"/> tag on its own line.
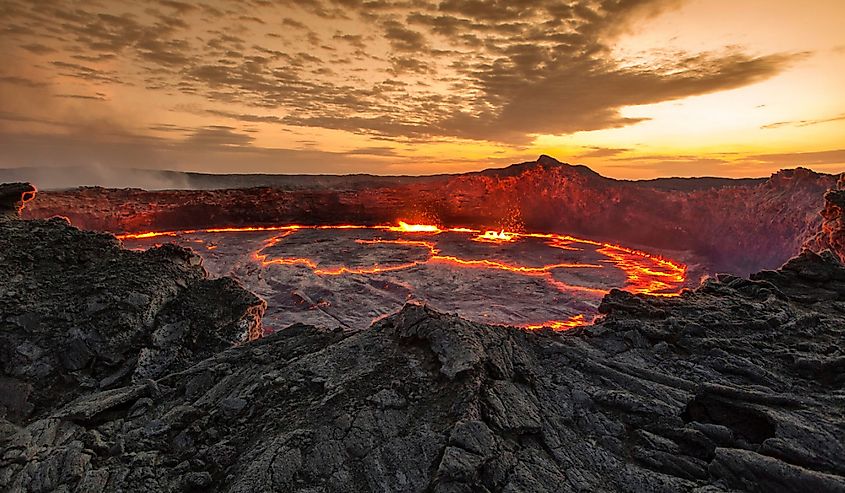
<point x="246" y="117"/>
<point x="287" y="21"/>
<point x="501" y="71"/>
<point x="179" y="7"/>
<point x="21" y="81"/>
<point x="720" y="164"/>
<point x="218" y="135"/>
<point x="38" y="48"/>
<point x="355" y="40"/>
<point x="793" y="159"/>
<point x="597" y="152"/>
<point x="87" y="73"/>
<point x="96" y="97"/>
<point x="584" y="94"/>
<point x="373" y="151"/>
<point x="213" y="149"/>
<point x="402" y="39"/>
<point x="804" y="123"/>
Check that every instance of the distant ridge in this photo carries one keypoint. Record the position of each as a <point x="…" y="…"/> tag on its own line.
<point x="698" y="183"/>
<point x="59" y="178"/>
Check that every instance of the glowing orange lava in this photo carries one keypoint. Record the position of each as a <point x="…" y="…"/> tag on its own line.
<point x="520" y="269"/>
<point x="570" y="323"/>
<point x="156" y="234"/>
<point x="404" y="227"/>
<point x="659" y="279"/>
<point x="496" y="237"/>
<point x="26" y="196"/>
<point x="645" y="273"/>
<point x="29" y="195"/>
<point x="436" y="257"/>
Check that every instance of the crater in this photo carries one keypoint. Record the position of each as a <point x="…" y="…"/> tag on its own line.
<point x="349" y="275"/>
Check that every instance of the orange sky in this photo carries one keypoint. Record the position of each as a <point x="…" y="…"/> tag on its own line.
<point x="633" y="89"/>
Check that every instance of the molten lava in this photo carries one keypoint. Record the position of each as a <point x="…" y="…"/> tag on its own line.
<point x="495" y="237"/>
<point x="579" y="320"/>
<point x="247" y="229"/>
<point x="660" y="279"/>
<point x="643" y="273"/>
<point x="404" y="227"/>
<point x="26" y="196"/>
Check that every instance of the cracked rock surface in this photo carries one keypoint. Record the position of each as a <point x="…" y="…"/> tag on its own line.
<point x="79" y="314"/>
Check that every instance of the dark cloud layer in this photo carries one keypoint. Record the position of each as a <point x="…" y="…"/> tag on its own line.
<point x="804" y="123"/>
<point x="506" y="69"/>
<point x="215" y="150"/>
<point x="720" y="164"/>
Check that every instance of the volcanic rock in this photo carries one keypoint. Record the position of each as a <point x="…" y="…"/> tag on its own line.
<point x="79" y="314"/>
<point x="736" y="385"/>
<point x="832" y="233"/>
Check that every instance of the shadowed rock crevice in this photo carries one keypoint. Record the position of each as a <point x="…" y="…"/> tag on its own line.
<point x="744" y="421"/>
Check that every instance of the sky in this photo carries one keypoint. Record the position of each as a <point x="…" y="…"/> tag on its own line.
<point x="631" y="88"/>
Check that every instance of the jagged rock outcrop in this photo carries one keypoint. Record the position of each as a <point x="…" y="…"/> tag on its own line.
<point x="79" y="314"/>
<point x="832" y="233"/>
<point x="737" y="385"/>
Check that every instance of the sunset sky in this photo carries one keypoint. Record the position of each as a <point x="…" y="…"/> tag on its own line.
<point x="633" y="89"/>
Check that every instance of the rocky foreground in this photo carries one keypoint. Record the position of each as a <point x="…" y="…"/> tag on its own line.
<point x="126" y="371"/>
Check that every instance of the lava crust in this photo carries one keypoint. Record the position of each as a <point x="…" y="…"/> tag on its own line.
<point x="347" y="276"/>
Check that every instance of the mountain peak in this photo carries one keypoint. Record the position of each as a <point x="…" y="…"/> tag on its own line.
<point x="545" y="159"/>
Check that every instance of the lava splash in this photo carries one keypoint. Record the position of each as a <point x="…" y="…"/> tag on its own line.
<point x="350" y="275"/>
